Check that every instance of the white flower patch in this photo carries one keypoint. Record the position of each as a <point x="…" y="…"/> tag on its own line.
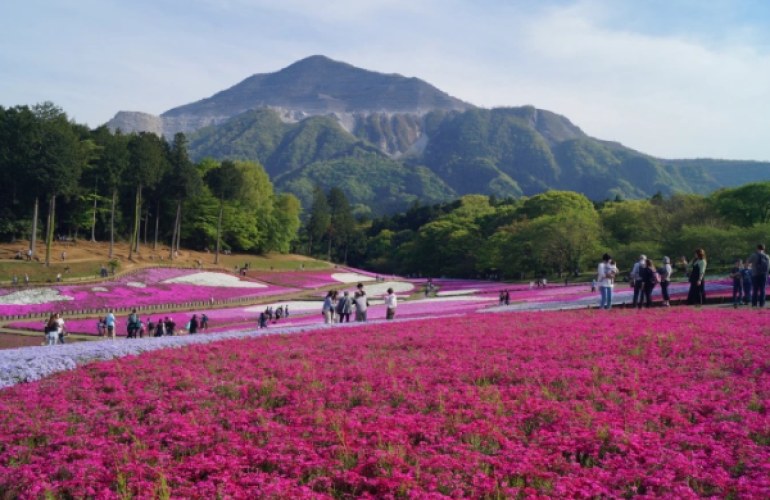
<point x="98" y="289"/>
<point x="382" y="288"/>
<point x="219" y="280"/>
<point x="452" y="293"/>
<point x="33" y="296"/>
<point x="136" y="284"/>
<point x="351" y="277"/>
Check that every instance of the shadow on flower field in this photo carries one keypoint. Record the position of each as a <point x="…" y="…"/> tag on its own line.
<point x="570" y="405"/>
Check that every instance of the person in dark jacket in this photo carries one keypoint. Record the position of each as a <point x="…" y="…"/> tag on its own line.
<point x="170" y="325"/>
<point x="194" y="324"/>
<point x="647" y="275"/>
<point x="697" y="269"/>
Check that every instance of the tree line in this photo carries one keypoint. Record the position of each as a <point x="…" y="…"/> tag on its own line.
<point x="558" y="232"/>
<point x="123" y="186"/>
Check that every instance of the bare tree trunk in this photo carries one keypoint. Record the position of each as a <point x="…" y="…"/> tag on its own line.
<point x="219" y="228"/>
<point x="179" y="228"/>
<point x="52" y="212"/>
<point x="176" y="227"/>
<point x="134" y="245"/>
<point x="33" y="235"/>
<point x="157" y="221"/>
<point x="146" y="223"/>
<point x="112" y="224"/>
<point x="93" y="222"/>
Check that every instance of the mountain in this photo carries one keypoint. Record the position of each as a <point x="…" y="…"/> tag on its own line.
<point x="389" y="140"/>
<point x="316" y="85"/>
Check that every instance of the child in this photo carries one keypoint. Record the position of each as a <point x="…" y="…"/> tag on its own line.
<point x="613" y="271"/>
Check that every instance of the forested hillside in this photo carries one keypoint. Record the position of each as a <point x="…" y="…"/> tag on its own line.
<point x="558" y="232"/>
<point x="502" y="152"/>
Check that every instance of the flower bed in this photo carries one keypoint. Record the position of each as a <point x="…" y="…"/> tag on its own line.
<point x="310" y="279"/>
<point x="161" y="286"/>
<point x="571" y="405"/>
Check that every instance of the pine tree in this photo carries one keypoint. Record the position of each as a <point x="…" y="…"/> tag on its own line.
<point x="318" y="223"/>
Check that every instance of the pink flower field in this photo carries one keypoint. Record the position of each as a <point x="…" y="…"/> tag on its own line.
<point x="572" y="405"/>
<point x="148" y="287"/>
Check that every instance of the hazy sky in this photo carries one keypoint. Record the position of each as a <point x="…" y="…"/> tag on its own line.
<point x="673" y="78"/>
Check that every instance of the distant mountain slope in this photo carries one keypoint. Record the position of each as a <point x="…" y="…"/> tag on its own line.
<point x="727" y="173"/>
<point x="502" y="151"/>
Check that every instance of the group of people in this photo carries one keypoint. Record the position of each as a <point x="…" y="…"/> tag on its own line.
<point x="273" y="315"/>
<point x="747" y="277"/>
<point x="137" y="328"/>
<point x="505" y="297"/>
<point x="55" y="331"/>
<point x="541" y="283"/>
<point x="338" y="308"/>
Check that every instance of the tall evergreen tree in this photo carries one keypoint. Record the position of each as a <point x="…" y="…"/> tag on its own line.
<point x="341" y="222"/>
<point x="318" y="223"/>
<point x="226" y="183"/>
<point x="182" y="181"/>
<point x="147" y="165"/>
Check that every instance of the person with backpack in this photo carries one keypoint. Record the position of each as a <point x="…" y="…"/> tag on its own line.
<point x="665" y="280"/>
<point x="760" y="264"/>
<point x="650" y="277"/>
<point x="736" y="274"/>
<point x="606" y="283"/>
<point x="697" y="271"/>
<point x="132" y="327"/>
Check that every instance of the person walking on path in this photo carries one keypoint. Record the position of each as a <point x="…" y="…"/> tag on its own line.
<point x="110" y="323"/>
<point x="665" y="281"/>
<point x="326" y="310"/>
<point x="697" y="269"/>
<point x="760" y="264"/>
<point x="193" y="325"/>
<point x="606" y="284"/>
<point x="361" y="304"/>
<point x="636" y="281"/>
<point x="391" y="303"/>
<point x="204" y="322"/>
<point x="736" y="274"/>
<point x="650" y="278"/>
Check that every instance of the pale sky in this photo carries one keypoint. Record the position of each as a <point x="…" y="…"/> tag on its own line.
<point x="672" y="78"/>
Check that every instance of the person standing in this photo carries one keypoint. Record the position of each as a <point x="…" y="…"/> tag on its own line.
<point x="650" y="278"/>
<point x="361" y="306"/>
<point x="63" y="256"/>
<point x="193" y="325"/>
<point x="665" y="281"/>
<point x="286" y="311"/>
<point x="326" y="310"/>
<point x="736" y="274"/>
<point x="170" y="325"/>
<point x="391" y="303"/>
<point x="132" y="327"/>
<point x="150" y="327"/>
<point x="335" y="301"/>
<point x="51" y="331"/>
<point x="100" y="327"/>
<point x="606" y="284"/>
<point x="502" y="298"/>
<point x="636" y="281"/>
<point x="347" y="308"/>
<point x="160" y="328"/>
<point x="110" y="322"/>
<point x="697" y="270"/>
<point x="760" y="264"/>
<point x="204" y="322"/>
<point x="29" y="255"/>
<point x="593" y="285"/>
<point x="507" y="297"/>
<point x="746" y="273"/>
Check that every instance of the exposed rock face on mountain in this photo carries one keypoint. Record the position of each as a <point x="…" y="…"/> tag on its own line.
<point x="384" y="106"/>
